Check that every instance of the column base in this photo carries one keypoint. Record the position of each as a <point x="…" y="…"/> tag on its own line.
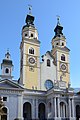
<point x="19" y="118"/>
<point x="59" y="118"/>
<point x="72" y="118"/>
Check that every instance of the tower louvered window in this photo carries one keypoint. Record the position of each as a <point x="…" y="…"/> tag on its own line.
<point x="63" y="57"/>
<point x="31" y="51"/>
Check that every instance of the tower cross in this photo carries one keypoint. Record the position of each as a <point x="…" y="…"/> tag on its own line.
<point x="7" y="50"/>
<point x="30" y="9"/>
<point x="58" y="20"/>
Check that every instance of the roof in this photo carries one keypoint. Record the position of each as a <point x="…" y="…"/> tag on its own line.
<point x="9" y="84"/>
<point x="63" y="48"/>
<point x="8" y="62"/>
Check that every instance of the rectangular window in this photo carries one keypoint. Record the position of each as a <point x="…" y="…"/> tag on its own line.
<point x="4" y="98"/>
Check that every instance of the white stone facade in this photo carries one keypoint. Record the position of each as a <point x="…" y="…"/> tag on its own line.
<point x="47" y="72"/>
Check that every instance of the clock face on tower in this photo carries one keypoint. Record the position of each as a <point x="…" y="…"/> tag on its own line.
<point x="32" y="60"/>
<point x="63" y="67"/>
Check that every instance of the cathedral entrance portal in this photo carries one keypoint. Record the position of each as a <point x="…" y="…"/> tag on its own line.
<point x="62" y="110"/>
<point x="27" y="115"/>
<point x="41" y="111"/>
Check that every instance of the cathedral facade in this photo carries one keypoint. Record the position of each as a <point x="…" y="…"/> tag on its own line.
<point x="43" y="90"/>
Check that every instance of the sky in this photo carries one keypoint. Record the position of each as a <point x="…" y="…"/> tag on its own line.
<point x="12" y="18"/>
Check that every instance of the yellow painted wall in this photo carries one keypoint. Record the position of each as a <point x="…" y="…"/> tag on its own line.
<point x="31" y="78"/>
<point x="58" y="54"/>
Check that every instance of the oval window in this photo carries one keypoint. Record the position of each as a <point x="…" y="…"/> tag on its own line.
<point x="48" y="84"/>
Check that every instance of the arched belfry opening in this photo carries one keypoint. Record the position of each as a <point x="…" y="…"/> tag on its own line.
<point x="27" y="111"/>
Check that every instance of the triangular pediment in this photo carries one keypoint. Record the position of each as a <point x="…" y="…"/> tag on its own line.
<point x="9" y="84"/>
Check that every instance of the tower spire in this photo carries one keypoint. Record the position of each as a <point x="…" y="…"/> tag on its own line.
<point x="30" y="17"/>
<point x="58" y="29"/>
<point x="7" y="55"/>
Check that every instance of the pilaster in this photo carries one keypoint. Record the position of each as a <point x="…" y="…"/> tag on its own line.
<point x="73" y="114"/>
<point x="55" y="113"/>
<point x="52" y="112"/>
<point x="69" y="108"/>
<point x="33" y="109"/>
<point x="36" y="108"/>
<point x="20" y="107"/>
<point x="58" y="102"/>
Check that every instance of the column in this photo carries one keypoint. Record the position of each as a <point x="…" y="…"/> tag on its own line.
<point x="20" y="107"/>
<point x="55" y="107"/>
<point x="72" y="107"/>
<point x="58" y="102"/>
<point x="52" y="108"/>
<point x="36" y="108"/>
<point x="33" y="109"/>
<point x="46" y="108"/>
<point x="63" y="110"/>
<point x="69" y="108"/>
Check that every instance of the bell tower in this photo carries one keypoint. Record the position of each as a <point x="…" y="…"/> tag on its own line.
<point x="30" y="55"/>
<point x="61" y="54"/>
<point x="7" y="67"/>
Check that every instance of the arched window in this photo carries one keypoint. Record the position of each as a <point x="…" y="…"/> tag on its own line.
<point x="48" y="62"/>
<point x="41" y="111"/>
<point x="31" y="35"/>
<point x="63" y="57"/>
<point x="27" y="111"/>
<point x="25" y="34"/>
<point x="4" y="116"/>
<point x="57" y="44"/>
<point x="31" y="51"/>
<point x="6" y="70"/>
<point x="62" y="44"/>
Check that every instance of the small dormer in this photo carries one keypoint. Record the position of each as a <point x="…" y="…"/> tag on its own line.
<point x="6" y="67"/>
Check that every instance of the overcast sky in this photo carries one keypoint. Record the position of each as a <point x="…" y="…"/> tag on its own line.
<point x="12" y="19"/>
